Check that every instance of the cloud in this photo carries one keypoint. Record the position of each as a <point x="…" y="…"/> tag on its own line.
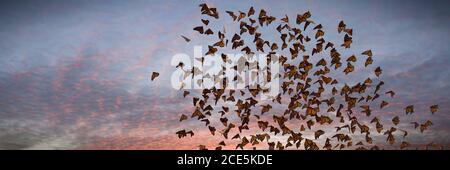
<point x="76" y="75"/>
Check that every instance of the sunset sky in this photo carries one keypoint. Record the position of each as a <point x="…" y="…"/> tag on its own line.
<point x="75" y="74"/>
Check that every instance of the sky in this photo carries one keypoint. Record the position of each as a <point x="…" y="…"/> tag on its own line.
<point x="75" y="74"/>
